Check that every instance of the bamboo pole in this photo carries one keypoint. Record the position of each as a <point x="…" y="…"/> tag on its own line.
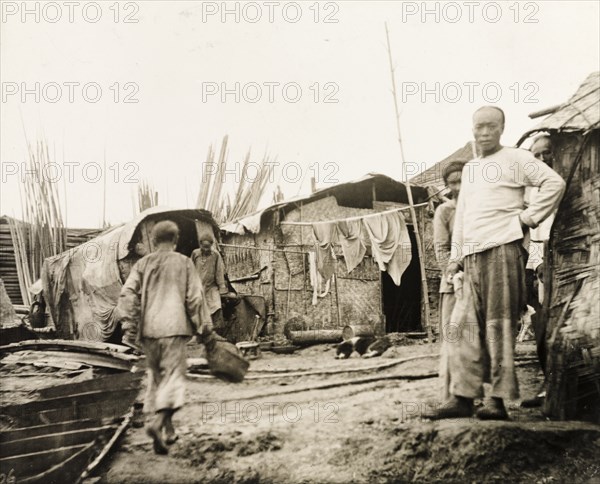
<point x="410" y="197"/>
<point x="337" y="296"/>
<point x="473" y="149"/>
<point x="205" y="183"/>
<point x="218" y="180"/>
<point x="42" y="233"/>
<point x="303" y="264"/>
<point x="104" y="192"/>
<point x="289" y="291"/>
<point x="381" y="306"/>
<point x="266" y="249"/>
<point x="64" y="178"/>
<point x="241" y="193"/>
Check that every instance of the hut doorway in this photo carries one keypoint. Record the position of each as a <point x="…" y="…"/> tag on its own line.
<point x="402" y="304"/>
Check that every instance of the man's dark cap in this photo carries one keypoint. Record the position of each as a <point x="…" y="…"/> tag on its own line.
<point x="453" y="166"/>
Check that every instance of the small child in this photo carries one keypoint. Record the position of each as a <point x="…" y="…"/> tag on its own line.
<point x="162" y="306"/>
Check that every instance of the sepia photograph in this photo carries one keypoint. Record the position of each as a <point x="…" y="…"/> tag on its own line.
<point x="307" y="241"/>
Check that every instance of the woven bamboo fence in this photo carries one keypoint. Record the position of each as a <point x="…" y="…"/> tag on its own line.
<point x="574" y="291"/>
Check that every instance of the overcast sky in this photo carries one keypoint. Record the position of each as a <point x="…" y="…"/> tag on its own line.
<point x="175" y="59"/>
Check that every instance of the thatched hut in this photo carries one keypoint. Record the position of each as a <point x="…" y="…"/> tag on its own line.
<point x="267" y="256"/>
<point x="433" y="176"/>
<point x="572" y="284"/>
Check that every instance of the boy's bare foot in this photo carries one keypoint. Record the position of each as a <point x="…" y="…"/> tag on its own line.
<point x="170" y="436"/>
<point x="159" y="445"/>
<point x="170" y="439"/>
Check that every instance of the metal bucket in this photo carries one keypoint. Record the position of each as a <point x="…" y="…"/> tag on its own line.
<point x="250" y="349"/>
<point x="226" y="361"/>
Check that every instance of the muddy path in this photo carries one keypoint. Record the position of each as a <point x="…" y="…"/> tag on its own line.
<point x="276" y="427"/>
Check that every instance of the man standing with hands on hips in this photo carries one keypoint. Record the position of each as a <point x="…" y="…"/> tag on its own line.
<point x="490" y="237"/>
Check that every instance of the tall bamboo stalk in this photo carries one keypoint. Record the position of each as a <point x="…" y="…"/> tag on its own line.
<point x="410" y="197"/>
<point x="245" y="193"/>
<point x="220" y="179"/>
<point x="104" y="224"/>
<point x="42" y="233"/>
<point x="205" y="182"/>
<point x="147" y="196"/>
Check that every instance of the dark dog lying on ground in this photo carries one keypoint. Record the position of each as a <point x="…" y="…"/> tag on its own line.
<point x="365" y="346"/>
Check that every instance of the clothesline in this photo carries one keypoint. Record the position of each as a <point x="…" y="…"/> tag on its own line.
<point x="267" y="249"/>
<point x="389" y="240"/>
<point x="357" y="217"/>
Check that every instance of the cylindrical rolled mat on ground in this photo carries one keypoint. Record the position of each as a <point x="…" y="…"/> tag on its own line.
<point x="354" y="330"/>
<point x="315" y="336"/>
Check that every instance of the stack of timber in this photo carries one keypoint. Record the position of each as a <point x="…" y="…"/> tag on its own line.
<point x="9" y="270"/>
<point x="8" y="264"/>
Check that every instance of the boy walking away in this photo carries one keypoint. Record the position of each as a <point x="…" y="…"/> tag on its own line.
<point x="162" y="306"/>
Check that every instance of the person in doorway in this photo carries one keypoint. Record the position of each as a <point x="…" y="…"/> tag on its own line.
<point x="489" y="244"/>
<point x="543" y="150"/>
<point x="443" y="221"/>
<point x="161" y="307"/>
<point x="209" y="265"/>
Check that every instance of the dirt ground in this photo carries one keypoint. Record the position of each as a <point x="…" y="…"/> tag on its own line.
<point x="276" y="427"/>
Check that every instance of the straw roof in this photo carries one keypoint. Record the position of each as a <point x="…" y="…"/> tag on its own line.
<point x="433" y="175"/>
<point x="356" y="193"/>
<point x="580" y="113"/>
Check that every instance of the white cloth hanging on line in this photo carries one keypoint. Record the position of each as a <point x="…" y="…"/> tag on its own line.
<point x="352" y="238"/>
<point x="325" y="236"/>
<point x="316" y="280"/>
<point x="386" y="232"/>
<point x="390" y="243"/>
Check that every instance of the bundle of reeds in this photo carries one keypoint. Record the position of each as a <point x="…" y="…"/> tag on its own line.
<point x="250" y="190"/>
<point x="232" y="197"/>
<point x="215" y="203"/>
<point x="147" y="196"/>
<point x="206" y="180"/>
<point x="42" y="233"/>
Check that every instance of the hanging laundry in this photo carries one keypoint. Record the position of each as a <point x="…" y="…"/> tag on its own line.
<point x="325" y="236"/>
<point x="316" y="280"/>
<point x="390" y="243"/>
<point x="352" y="239"/>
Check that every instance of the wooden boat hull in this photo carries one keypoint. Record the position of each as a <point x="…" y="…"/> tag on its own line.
<point x="63" y="432"/>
